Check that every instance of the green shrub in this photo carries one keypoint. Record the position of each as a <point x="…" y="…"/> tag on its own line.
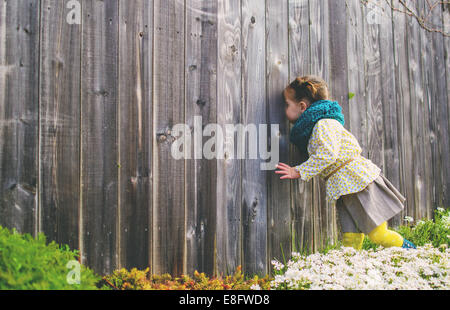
<point x="27" y="263"/>
<point x="436" y="232"/>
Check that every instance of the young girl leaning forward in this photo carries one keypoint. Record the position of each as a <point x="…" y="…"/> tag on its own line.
<point x="365" y="199"/>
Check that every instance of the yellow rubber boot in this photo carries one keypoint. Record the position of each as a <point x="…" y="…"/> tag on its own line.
<point x="385" y="237"/>
<point x="354" y="240"/>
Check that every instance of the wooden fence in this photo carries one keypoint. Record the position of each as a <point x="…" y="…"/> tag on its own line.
<point x="90" y="91"/>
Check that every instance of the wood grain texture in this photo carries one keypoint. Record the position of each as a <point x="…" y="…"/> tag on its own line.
<point x="439" y="138"/>
<point x="229" y="170"/>
<point x="373" y="79"/>
<point x="339" y="89"/>
<point x="357" y="110"/>
<point x="388" y="102"/>
<point x="320" y="66"/>
<point x="426" y="126"/>
<point x="254" y="112"/>
<point x="135" y="131"/>
<point x="99" y="149"/>
<point x="169" y="109"/>
<point x="444" y="192"/>
<point x="59" y="134"/>
<point x="403" y="92"/>
<point x="19" y="114"/>
<point x="300" y="65"/>
<point x="277" y="74"/>
<point x="201" y="101"/>
<point x="416" y="114"/>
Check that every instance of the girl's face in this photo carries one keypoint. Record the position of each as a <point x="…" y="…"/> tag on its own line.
<point x="294" y="109"/>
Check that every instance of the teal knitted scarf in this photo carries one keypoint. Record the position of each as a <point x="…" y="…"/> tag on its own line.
<point x="302" y="130"/>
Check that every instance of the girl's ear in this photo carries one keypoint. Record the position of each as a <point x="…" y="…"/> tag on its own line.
<point x="303" y="105"/>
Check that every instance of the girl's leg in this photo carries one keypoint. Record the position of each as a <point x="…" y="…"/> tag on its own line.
<point x="354" y="240"/>
<point x="385" y="237"/>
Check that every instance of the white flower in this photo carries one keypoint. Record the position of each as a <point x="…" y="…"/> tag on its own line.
<point x="255" y="287"/>
<point x="446" y="221"/>
<point x="277" y="265"/>
<point x="385" y="268"/>
<point x="408" y="219"/>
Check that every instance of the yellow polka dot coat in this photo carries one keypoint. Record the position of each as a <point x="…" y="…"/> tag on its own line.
<point x="329" y="146"/>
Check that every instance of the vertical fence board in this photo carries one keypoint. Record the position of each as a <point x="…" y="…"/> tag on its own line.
<point x="439" y="139"/>
<point x="425" y="126"/>
<point x="417" y="99"/>
<point x="99" y="150"/>
<point x="320" y="66"/>
<point x="388" y="102"/>
<point x="59" y="133"/>
<point x="299" y="65"/>
<point x="357" y="110"/>
<point x="444" y="192"/>
<point x="372" y="64"/>
<point x="19" y="94"/>
<point x="401" y="37"/>
<point x="169" y="106"/>
<point x="254" y="180"/>
<point x="201" y="101"/>
<point x="338" y="85"/>
<point x="228" y="234"/>
<point x="135" y="131"/>
<point x="277" y="66"/>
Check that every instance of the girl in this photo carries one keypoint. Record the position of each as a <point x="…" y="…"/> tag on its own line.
<point x="365" y="199"/>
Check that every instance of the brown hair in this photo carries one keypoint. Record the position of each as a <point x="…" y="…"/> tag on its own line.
<point x="310" y="87"/>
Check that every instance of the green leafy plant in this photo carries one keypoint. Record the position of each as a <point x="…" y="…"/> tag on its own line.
<point x="28" y="263"/>
<point x="436" y="232"/>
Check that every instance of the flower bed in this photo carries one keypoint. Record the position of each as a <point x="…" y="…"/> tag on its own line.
<point x="393" y="268"/>
<point x="375" y="267"/>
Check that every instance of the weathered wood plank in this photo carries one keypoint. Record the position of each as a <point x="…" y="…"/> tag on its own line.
<point x="424" y="127"/>
<point x="440" y="138"/>
<point x="201" y="101"/>
<point x="254" y="180"/>
<point x="59" y="105"/>
<point x="277" y="75"/>
<point x="403" y="93"/>
<point x="19" y="106"/>
<point x="417" y="101"/>
<point x="445" y="191"/>
<point x="99" y="149"/>
<point x="389" y="105"/>
<point x="427" y="123"/>
<point x="320" y="66"/>
<point x="372" y="65"/>
<point x="299" y="65"/>
<point x="135" y="131"/>
<point x="169" y="104"/>
<point x="357" y="110"/>
<point x="229" y="178"/>
<point x="338" y="86"/>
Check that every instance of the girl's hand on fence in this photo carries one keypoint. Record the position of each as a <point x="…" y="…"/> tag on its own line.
<point x="287" y="171"/>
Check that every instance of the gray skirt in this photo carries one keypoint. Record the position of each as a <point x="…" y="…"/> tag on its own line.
<point x="367" y="209"/>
